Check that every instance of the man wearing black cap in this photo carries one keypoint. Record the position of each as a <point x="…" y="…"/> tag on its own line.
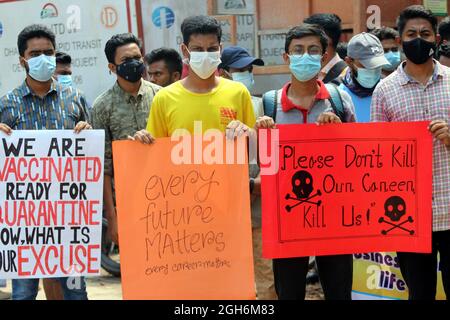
<point x="237" y="65"/>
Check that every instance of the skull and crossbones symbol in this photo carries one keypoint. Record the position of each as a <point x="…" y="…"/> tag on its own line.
<point x="395" y="209"/>
<point x="302" y="187"/>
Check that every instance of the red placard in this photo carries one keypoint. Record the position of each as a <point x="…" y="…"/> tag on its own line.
<point x="349" y="188"/>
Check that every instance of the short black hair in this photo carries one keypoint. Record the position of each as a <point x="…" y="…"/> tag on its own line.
<point x="63" y="58"/>
<point x="34" y="31"/>
<point x="444" y="50"/>
<point x="342" y="50"/>
<point x="306" y="30"/>
<point x="171" y="58"/>
<point x="385" y="33"/>
<point x="414" y="12"/>
<point x="200" y="25"/>
<point x="329" y="22"/>
<point x="444" y="29"/>
<point x="117" y="41"/>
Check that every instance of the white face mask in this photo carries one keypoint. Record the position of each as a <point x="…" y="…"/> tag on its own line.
<point x="246" y="78"/>
<point x="204" y="64"/>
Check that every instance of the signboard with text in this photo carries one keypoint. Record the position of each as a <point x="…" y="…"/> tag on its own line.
<point x="349" y="188"/>
<point x="82" y="29"/>
<point x="51" y="197"/>
<point x="184" y="229"/>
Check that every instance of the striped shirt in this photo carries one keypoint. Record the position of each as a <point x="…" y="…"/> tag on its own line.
<point x="61" y="108"/>
<point x="399" y="98"/>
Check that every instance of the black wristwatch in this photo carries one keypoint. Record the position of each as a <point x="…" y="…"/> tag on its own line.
<point x="252" y="185"/>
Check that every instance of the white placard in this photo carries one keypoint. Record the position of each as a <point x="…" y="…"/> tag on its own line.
<point x="51" y="198"/>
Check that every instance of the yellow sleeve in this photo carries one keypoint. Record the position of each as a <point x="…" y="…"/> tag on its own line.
<point x="156" y="124"/>
<point x="248" y="111"/>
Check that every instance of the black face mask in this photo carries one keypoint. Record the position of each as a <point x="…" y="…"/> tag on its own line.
<point x="131" y="70"/>
<point x="419" y="50"/>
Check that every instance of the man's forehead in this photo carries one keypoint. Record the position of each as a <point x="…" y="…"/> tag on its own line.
<point x="200" y="40"/>
<point x="389" y="43"/>
<point x="306" y="41"/>
<point x="418" y="24"/>
<point x="157" y="65"/>
<point x="39" y="44"/>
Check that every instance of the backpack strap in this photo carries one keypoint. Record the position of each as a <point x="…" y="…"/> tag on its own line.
<point x="270" y="103"/>
<point x="336" y="101"/>
<point x="335" y="72"/>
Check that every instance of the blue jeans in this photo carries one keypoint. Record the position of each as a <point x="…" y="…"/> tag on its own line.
<point x="27" y="289"/>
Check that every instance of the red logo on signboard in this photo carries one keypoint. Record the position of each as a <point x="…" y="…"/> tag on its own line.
<point x="109" y="17"/>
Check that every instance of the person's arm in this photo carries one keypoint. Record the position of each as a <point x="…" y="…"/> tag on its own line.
<point x="349" y="107"/>
<point x="157" y="124"/>
<point x="440" y="130"/>
<point x="249" y="118"/>
<point x="84" y="119"/>
<point x="243" y="125"/>
<point x="99" y="121"/>
<point x="378" y="112"/>
<point x="110" y="209"/>
<point x="5" y="126"/>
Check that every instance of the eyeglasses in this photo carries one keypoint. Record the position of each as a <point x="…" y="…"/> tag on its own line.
<point x="387" y="50"/>
<point x="313" y="50"/>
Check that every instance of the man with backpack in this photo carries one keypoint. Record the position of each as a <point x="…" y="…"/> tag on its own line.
<point x="365" y="57"/>
<point x="308" y="100"/>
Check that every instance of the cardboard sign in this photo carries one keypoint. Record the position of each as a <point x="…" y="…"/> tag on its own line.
<point x="51" y="197"/>
<point x="349" y="188"/>
<point x="184" y="230"/>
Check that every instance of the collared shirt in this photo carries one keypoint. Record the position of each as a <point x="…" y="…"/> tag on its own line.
<point x="323" y="73"/>
<point x="121" y="115"/>
<point x="399" y="98"/>
<point x="61" y="108"/>
<point x="289" y="113"/>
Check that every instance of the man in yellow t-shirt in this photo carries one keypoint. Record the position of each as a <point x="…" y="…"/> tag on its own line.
<point x="176" y="107"/>
<point x="202" y="96"/>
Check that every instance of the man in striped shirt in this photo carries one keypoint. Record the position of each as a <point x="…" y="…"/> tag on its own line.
<point x="420" y="91"/>
<point x="40" y="103"/>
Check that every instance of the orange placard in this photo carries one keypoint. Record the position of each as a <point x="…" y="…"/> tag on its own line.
<point x="185" y="230"/>
<point x="351" y="188"/>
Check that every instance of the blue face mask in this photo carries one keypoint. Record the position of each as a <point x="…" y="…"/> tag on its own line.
<point x="368" y="78"/>
<point x="246" y="78"/>
<point x="394" y="59"/>
<point x="305" y="67"/>
<point x="42" y="68"/>
<point x="65" y="80"/>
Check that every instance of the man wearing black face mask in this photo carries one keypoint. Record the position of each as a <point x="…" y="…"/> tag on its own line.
<point x="419" y="91"/>
<point x="122" y="110"/>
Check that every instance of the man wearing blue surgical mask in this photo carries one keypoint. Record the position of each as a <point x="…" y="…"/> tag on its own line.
<point x="237" y="65"/>
<point x="31" y="106"/>
<point x="63" y="72"/>
<point x="365" y="58"/>
<point x="307" y="100"/>
<point x="387" y="37"/>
